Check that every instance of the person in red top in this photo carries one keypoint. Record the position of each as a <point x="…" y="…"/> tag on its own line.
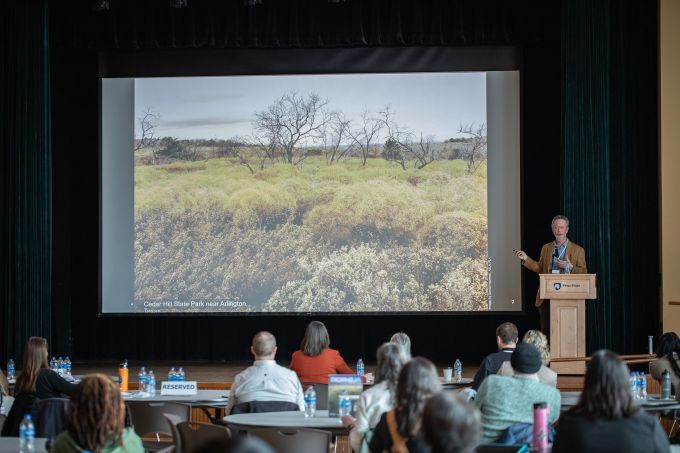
<point x="315" y="360"/>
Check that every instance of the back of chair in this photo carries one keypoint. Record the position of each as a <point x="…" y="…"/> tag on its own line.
<point x="23" y="404"/>
<point x="196" y="437"/>
<point x="148" y="417"/>
<point x="321" y="394"/>
<point x="50" y="417"/>
<point x="295" y="440"/>
<point x="173" y="421"/>
<point x="264" y="406"/>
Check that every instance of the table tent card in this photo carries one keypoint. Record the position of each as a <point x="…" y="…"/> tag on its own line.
<point x="337" y="383"/>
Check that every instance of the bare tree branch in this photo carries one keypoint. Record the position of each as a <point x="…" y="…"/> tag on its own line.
<point x="291" y="122"/>
<point x="366" y="134"/>
<point x="474" y="148"/>
<point x="148" y="123"/>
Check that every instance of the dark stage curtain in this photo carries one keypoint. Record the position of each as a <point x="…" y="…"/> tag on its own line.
<point x="25" y="200"/>
<point x="610" y="163"/>
<point x="155" y="24"/>
<point x="608" y="182"/>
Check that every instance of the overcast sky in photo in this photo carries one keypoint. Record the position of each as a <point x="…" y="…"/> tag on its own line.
<point x="224" y="107"/>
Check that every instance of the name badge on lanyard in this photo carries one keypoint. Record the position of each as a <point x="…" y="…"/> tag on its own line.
<point x="556" y="257"/>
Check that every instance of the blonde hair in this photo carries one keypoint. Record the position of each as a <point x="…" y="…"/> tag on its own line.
<point x="539" y="340"/>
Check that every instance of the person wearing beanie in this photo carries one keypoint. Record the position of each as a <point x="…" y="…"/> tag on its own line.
<point x="507" y="400"/>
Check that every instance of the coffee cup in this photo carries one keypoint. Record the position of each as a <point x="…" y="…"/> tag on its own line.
<point x="448" y="374"/>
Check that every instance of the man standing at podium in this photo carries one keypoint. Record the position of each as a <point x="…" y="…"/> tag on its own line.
<point x="558" y="257"/>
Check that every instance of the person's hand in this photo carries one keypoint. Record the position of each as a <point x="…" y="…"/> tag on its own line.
<point x="562" y="264"/>
<point x="521" y="255"/>
<point x="369" y="378"/>
<point x="347" y="420"/>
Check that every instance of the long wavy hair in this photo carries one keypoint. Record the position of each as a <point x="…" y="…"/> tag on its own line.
<point x="316" y="339"/>
<point x="540" y="341"/>
<point x="391" y="359"/>
<point x="97" y="413"/>
<point x="668" y="347"/>
<point x="35" y="359"/>
<point x="418" y="381"/>
<point x="606" y="390"/>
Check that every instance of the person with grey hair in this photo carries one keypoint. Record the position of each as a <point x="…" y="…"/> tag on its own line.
<point x="560" y="256"/>
<point x="265" y="380"/>
<point x="451" y="424"/>
<point x="403" y="340"/>
<point x="378" y="399"/>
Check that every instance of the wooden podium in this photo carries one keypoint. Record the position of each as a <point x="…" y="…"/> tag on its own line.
<point x="568" y="294"/>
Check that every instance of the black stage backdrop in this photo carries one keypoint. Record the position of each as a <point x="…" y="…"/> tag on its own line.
<point x="549" y="36"/>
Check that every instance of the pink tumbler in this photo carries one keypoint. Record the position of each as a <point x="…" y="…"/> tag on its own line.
<point x="539" y="440"/>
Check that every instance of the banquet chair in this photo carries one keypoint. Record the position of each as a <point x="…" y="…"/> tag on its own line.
<point x="147" y="418"/>
<point x="294" y="440"/>
<point x="321" y="394"/>
<point x="197" y="437"/>
<point x="50" y="417"/>
<point x="173" y="421"/>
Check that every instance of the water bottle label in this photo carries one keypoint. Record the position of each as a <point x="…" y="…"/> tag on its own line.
<point x="310" y="399"/>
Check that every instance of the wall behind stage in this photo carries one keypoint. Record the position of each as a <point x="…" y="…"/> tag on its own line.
<point x="77" y="35"/>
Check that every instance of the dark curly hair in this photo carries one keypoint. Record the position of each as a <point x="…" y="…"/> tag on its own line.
<point x="97" y="413"/>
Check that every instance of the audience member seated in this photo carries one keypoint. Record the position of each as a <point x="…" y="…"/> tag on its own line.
<point x="403" y="340"/>
<point x="545" y="374"/>
<point x="451" y="424"/>
<point x="265" y="380"/>
<point x="315" y="360"/>
<point x="505" y="401"/>
<point x="378" y="399"/>
<point x="399" y="429"/>
<point x="4" y="385"/>
<point x="96" y="420"/>
<point x="606" y="419"/>
<point x="36" y="376"/>
<point x="667" y="352"/>
<point x="506" y="339"/>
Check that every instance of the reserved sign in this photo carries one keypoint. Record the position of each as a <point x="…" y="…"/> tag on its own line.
<point x="179" y="388"/>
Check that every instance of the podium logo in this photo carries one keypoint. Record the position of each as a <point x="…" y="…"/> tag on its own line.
<point x="557" y="286"/>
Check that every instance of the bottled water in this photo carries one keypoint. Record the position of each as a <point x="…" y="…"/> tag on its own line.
<point x="360" y="366"/>
<point x="26" y="435"/>
<point x="172" y="375"/>
<point x="151" y="383"/>
<point x="60" y="366"/>
<point x="180" y="374"/>
<point x="643" y="386"/>
<point x="457" y="371"/>
<point x="10" y="370"/>
<point x="141" y="377"/>
<point x="310" y="401"/>
<point x="344" y="404"/>
<point x="665" y="385"/>
<point x="633" y="385"/>
<point x="53" y="364"/>
<point x="67" y="366"/>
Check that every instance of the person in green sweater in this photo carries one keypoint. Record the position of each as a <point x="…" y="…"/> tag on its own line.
<point x="96" y="420"/>
<point x="507" y="400"/>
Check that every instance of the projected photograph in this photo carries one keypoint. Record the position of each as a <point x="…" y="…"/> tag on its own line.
<point x="311" y="193"/>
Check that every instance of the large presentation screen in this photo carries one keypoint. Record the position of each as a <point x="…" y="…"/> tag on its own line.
<point x="335" y="193"/>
